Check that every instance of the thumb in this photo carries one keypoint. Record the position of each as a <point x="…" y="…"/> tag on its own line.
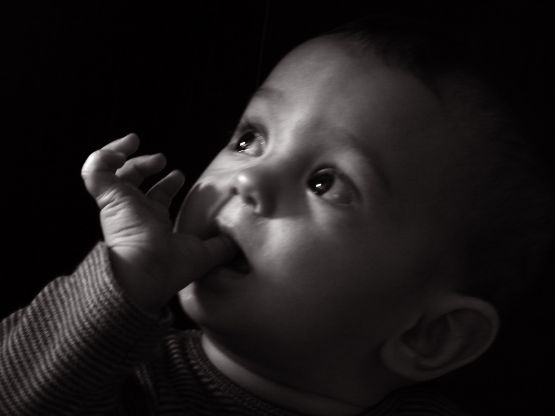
<point x="220" y="250"/>
<point x="201" y="256"/>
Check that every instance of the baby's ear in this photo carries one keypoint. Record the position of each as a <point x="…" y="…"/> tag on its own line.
<point x="452" y="332"/>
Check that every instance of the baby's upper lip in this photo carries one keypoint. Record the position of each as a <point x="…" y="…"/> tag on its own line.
<point x="221" y="228"/>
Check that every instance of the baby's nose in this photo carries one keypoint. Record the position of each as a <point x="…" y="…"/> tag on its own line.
<point x="254" y="186"/>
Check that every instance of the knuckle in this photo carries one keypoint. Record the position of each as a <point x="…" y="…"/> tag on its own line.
<point x="93" y="159"/>
<point x="98" y="160"/>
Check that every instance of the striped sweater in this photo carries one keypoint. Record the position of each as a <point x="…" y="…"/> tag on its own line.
<point x="81" y="348"/>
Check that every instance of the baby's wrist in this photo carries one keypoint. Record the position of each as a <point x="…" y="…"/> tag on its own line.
<point x="132" y="280"/>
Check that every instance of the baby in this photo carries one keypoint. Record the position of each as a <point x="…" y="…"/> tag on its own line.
<point x="331" y="254"/>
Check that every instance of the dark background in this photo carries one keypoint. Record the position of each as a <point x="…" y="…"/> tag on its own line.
<point x="75" y="76"/>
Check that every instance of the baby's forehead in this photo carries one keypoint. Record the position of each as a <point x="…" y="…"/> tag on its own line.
<point x="321" y="57"/>
<point x="337" y="58"/>
<point x="324" y="82"/>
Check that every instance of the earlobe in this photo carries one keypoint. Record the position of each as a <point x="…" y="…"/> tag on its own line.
<point x="453" y="332"/>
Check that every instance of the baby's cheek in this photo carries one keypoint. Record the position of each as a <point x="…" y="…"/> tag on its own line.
<point x="196" y="214"/>
<point x="221" y="167"/>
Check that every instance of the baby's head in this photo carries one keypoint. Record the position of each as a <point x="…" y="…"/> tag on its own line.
<point x="367" y="186"/>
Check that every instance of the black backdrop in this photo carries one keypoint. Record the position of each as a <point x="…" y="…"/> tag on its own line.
<point x="75" y="76"/>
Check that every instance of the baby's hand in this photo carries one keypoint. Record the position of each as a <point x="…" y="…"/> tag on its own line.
<point x="149" y="260"/>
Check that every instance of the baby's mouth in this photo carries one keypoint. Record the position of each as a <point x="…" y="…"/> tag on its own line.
<point x="239" y="264"/>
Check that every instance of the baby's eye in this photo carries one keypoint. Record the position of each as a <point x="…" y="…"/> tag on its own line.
<point x="330" y="185"/>
<point x="250" y="142"/>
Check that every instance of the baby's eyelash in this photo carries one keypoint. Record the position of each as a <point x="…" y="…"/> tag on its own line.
<point x="240" y="128"/>
<point x="248" y="139"/>
<point x="247" y="126"/>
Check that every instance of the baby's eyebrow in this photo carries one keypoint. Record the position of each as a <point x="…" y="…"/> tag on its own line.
<point x="268" y="92"/>
<point x="372" y="157"/>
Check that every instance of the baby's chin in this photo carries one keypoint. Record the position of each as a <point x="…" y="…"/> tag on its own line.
<point x="190" y="305"/>
<point x="206" y="300"/>
<point x="202" y="311"/>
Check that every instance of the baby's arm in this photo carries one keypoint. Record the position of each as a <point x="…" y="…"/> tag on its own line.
<point x="69" y="351"/>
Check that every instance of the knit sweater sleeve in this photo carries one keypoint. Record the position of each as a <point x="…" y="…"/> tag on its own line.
<point x="68" y="352"/>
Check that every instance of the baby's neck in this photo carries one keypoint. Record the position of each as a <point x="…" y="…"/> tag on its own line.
<point x="280" y="394"/>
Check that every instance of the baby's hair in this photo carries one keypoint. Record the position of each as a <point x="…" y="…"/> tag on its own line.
<point x="503" y="229"/>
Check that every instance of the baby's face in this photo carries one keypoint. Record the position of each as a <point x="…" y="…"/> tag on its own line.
<point x="326" y="187"/>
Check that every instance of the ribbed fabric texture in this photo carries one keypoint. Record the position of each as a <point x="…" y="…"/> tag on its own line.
<point x="81" y="348"/>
